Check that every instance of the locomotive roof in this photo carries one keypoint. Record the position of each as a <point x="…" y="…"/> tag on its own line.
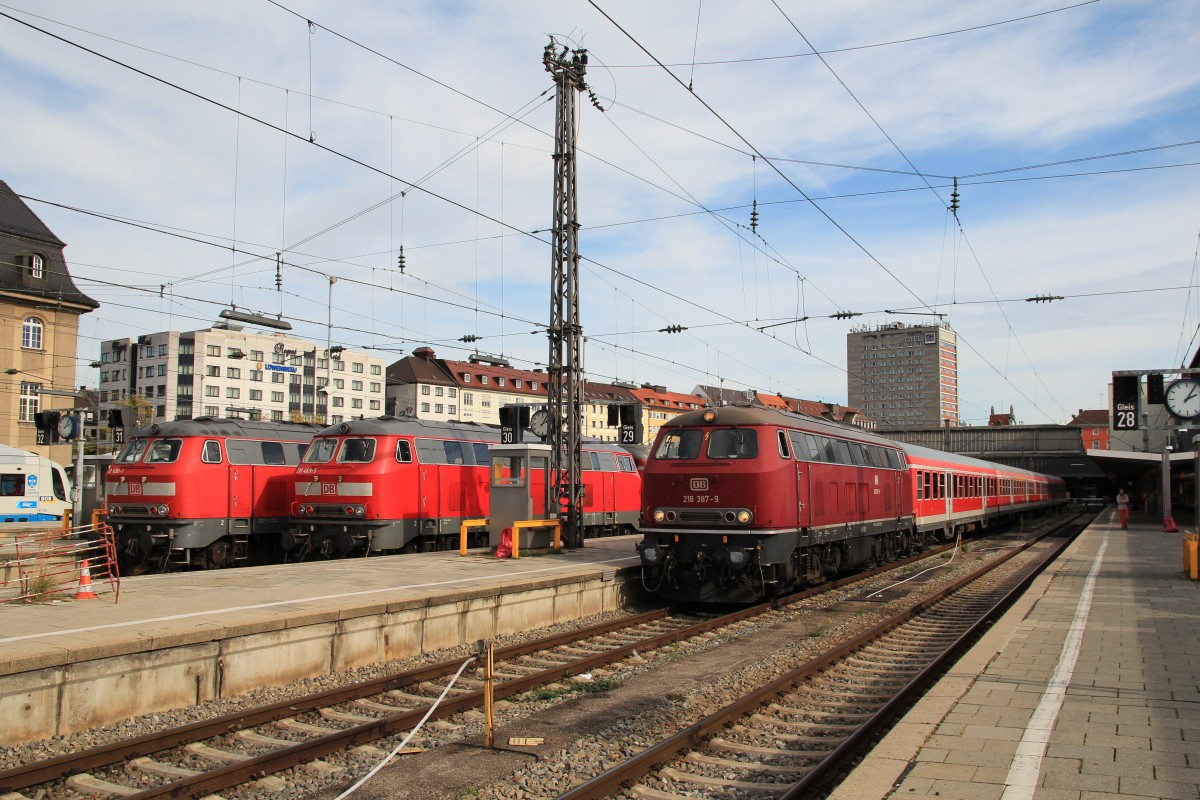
<point x="756" y="415"/>
<point x="249" y="428"/>
<point x="449" y="429"/>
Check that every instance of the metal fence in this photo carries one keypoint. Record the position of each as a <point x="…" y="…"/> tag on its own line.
<point x="57" y="564"/>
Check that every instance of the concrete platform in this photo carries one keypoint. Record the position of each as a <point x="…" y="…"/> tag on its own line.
<point x="1088" y="688"/>
<point x="184" y="638"/>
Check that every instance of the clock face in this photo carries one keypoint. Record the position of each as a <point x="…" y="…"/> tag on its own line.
<point x="67" y="426"/>
<point x="1183" y="398"/>
<point x="539" y="423"/>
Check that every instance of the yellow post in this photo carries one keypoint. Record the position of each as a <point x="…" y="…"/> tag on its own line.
<point x="556" y="524"/>
<point x="462" y="533"/>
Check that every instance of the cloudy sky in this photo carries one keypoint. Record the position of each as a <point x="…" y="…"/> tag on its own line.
<point x="1073" y="130"/>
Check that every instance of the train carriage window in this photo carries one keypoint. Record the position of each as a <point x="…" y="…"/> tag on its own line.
<point x="843" y="452"/>
<point x="608" y="461"/>
<point x="733" y="443"/>
<point x="928" y="485"/>
<point x="12" y="484"/>
<point x="211" y="454"/>
<point x="133" y="451"/>
<point x="59" y="481"/>
<point x="482" y="454"/>
<point x="858" y="454"/>
<point x="164" y="451"/>
<point x="626" y="463"/>
<point x="828" y="451"/>
<point x="877" y="457"/>
<point x="403" y="451"/>
<point x="785" y="448"/>
<point x="919" y="479"/>
<point x="272" y="453"/>
<point x="357" y="451"/>
<point x="941" y="485"/>
<point x="682" y="445"/>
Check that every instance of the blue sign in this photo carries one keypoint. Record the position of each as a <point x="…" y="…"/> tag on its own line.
<point x="32" y="481"/>
<point x="279" y="368"/>
<point x="27" y="504"/>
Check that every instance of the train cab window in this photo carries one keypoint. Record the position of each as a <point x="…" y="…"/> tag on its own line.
<point x="12" y="484"/>
<point x="625" y="464"/>
<point x="590" y="462"/>
<point x="321" y="451"/>
<point x="508" y="471"/>
<point x="272" y="453"/>
<point x="814" y="448"/>
<point x="828" y="451"/>
<point x="857" y="454"/>
<point x="785" y="448"/>
<point x="357" y="451"/>
<point x="482" y="454"/>
<point x="683" y="444"/>
<point x="60" y="483"/>
<point x="895" y="459"/>
<point x="878" y="456"/>
<point x="733" y="443"/>
<point x="799" y="446"/>
<point x="403" y="451"/>
<point x="608" y="461"/>
<point x="211" y="454"/>
<point x="164" y="451"/>
<point x="454" y="452"/>
<point x="843" y="452"/>
<point x="132" y="452"/>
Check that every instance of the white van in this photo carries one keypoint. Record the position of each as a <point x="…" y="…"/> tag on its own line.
<point x="32" y="487"/>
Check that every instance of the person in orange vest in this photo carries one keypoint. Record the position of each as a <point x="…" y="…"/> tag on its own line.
<point x="1123" y="508"/>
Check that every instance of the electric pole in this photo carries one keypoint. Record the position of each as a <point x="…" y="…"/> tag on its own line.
<point x="564" y="485"/>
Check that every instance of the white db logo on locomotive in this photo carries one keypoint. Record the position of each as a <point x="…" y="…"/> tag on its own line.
<point x="699" y="484"/>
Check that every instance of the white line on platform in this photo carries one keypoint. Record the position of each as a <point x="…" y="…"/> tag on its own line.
<point x="293" y="601"/>
<point x="1023" y="775"/>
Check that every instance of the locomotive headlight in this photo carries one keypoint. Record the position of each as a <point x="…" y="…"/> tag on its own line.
<point x="659" y="515"/>
<point x="744" y="516"/>
<point x="359" y="511"/>
<point x="162" y="510"/>
<point x="115" y="510"/>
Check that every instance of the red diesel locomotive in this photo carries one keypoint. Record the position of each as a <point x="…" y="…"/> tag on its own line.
<point x="203" y="493"/>
<point x="742" y="502"/>
<point x="400" y="484"/>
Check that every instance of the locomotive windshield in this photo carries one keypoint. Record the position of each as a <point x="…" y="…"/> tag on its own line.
<point x="164" y="451"/>
<point x="358" y="451"/>
<point x="132" y="452"/>
<point x="321" y="451"/>
<point x="722" y="443"/>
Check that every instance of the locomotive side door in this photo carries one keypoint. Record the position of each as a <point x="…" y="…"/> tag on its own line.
<point x="241" y="496"/>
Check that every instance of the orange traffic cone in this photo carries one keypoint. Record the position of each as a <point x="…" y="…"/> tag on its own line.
<point x="85" y="583"/>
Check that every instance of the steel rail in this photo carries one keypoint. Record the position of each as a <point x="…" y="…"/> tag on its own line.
<point x="612" y="780"/>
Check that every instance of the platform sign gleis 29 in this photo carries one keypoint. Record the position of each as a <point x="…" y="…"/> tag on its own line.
<point x="1126" y="398"/>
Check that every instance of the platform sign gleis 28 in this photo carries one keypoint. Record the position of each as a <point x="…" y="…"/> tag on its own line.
<point x="1126" y="398"/>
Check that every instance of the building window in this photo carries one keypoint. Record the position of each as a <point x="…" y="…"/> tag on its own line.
<point x="232" y="392"/>
<point x="338" y="402"/>
<point x="533" y="385"/>
<point x="256" y="355"/>
<point x="31" y="333"/>
<point x="233" y="372"/>
<point x="277" y="416"/>
<point x="425" y="390"/>
<point x="374" y="405"/>
<point x="375" y="387"/>
<point x="437" y="408"/>
<point x="212" y="391"/>
<point x="466" y="377"/>
<point x="339" y="365"/>
<point x="356" y="385"/>
<point x="276" y="397"/>
<point x="212" y="411"/>
<point x="453" y="409"/>
<point x="213" y="350"/>
<point x="31" y="401"/>
<point x="37" y="267"/>
<point x="212" y="371"/>
<point x="516" y="383"/>
<point x="356" y="402"/>
<point x="468" y="399"/>
<point x="256" y="375"/>
<point x="483" y="379"/>
<point x="256" y="394"/>
<point x="424" y="408"/>
<point x="499" y="381"/>
<point x="277" y="377"/>
<point x="339" y="383"/>
<point x="356" y="366"/>
<point x="162" y="370"/>
<point x="439" y="391"/>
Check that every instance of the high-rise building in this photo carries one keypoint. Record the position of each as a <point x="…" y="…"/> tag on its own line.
<point x="225" y="371"/>
<point x="903" y="375"/>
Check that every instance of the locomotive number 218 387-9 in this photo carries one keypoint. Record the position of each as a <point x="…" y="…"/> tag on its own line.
<point x="700" y="498"/>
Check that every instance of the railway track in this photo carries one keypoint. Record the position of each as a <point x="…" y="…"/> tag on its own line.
<point x="251" y="747"/>
<point x="792" y="737"/>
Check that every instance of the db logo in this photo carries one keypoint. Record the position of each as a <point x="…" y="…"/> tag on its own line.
<point x="135" y="488"/>
<point x="699" y="484"/>
<point x="328" y="488"/>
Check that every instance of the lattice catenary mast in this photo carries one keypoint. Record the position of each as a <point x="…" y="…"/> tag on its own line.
<point x="565" y="372"/>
